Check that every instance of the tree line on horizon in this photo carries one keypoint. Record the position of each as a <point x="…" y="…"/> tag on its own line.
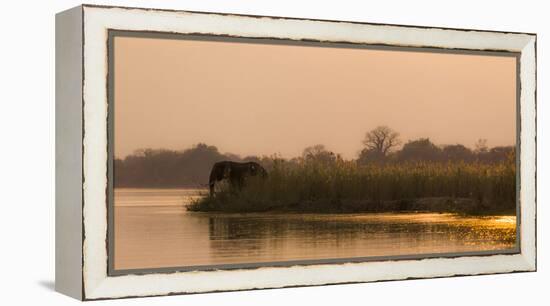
<point x="162" y="168"/>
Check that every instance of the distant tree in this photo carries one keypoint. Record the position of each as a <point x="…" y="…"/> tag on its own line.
<point x="146" y="168"/>
<point x="457" y="152"/>
<point x="168" y="168"/>
<point x="269" y="162"/>
<point x="232" y="157"/>
<point x="420" y="150"/>
<point x="196" y="162"/>
<point x="252" y="158"/>
<point x="203" y="151"/>
<point x="481" y="146"/>
<point x="381" y="140"/>
<point x="497" y="154"/>
<point x="318" y="153"/>
<point x="367" y="156"/>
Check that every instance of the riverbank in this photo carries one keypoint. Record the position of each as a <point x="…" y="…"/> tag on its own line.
<point x="226" y="204"/>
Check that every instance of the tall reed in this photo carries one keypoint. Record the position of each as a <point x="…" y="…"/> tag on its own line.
<point x="345" y="186"/>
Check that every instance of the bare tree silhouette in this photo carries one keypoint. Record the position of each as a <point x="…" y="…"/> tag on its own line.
<point x="382" y="140"/>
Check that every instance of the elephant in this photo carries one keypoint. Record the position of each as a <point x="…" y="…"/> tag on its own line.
<point x="235" y="172"/>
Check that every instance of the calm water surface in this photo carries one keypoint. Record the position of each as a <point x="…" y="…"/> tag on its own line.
<point x="154" y="230"/>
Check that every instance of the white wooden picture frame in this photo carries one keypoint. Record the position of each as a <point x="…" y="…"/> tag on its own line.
<point x="82" y="132"/>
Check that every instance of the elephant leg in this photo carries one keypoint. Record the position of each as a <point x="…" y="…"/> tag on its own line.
<point x="211" y="185"/>
<point x="218" y="172"/>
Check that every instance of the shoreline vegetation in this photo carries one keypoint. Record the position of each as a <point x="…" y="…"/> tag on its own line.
<point x="384" y="177"/>
<point x="345" y="187"/>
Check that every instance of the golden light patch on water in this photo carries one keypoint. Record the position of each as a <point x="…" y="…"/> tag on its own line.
<point x="506" y="219"/>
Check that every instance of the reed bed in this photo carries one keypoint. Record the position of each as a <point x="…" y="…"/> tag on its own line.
<point x="345" y="186"/>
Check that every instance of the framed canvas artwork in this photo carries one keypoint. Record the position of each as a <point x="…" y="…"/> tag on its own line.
<point x="201" y="152"/>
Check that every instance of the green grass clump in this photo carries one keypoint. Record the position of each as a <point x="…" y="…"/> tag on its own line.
<point x="345" y="186"/>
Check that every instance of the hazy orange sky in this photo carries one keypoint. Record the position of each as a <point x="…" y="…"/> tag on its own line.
<point x="260" y="99"/>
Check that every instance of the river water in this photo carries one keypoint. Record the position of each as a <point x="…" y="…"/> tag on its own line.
<point x="154" y="230"/>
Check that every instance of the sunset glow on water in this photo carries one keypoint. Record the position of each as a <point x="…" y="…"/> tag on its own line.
<point x="154" y="230"/>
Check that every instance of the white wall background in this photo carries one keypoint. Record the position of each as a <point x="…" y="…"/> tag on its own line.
<point x="27" y="153"/>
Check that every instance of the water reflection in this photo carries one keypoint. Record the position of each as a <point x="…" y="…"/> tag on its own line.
<point x="303" y="236"/>
<point x="153" y="235"/>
